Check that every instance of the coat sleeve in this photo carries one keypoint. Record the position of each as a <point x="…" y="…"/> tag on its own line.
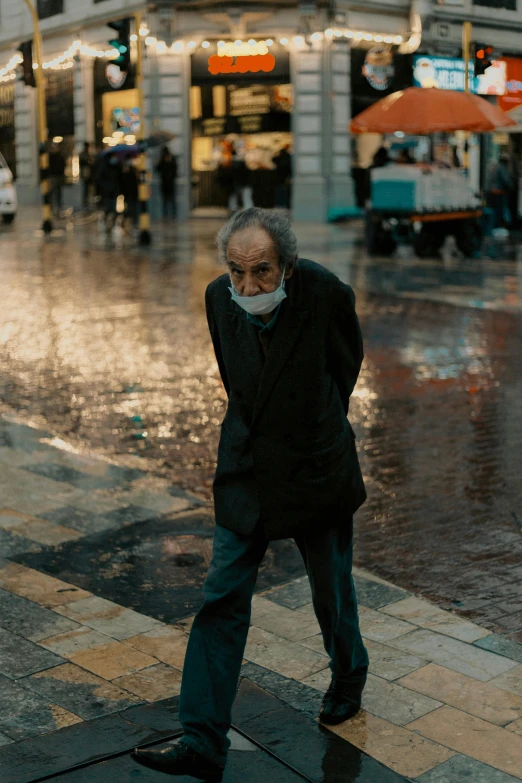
<point x="345" y="346"/>
<point x="214" y="334"/>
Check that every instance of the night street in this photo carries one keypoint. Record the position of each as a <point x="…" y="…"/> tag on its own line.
<point x="111" y="405"/>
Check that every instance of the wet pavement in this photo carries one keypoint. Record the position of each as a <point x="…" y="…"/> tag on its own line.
<point x="102" y="570"/>
<point x="107" y="347"/>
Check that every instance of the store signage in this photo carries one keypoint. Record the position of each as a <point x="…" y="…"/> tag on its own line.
<point x="378" y="67"/>
<point x="242" y="49"/>
<point x="256" y="63"/>
<point x="449" y="73"/>
<point x="513" y="95"/>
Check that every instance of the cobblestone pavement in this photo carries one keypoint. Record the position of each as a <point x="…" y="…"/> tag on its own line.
<point x="108" y="348"/>
<point x="443" y="700"/>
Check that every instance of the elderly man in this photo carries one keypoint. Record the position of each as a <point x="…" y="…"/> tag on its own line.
<point x="289" y="349"/>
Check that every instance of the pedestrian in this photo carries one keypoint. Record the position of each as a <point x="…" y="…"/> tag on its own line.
<point x="129" y="191"/>
<point x="167" y="168"/>
<point x="86" y="160"/>
<point x="283" y="168"/>
<point x="109" y="183"/>
<point x="289" y="350"/>
<point x="56" y="177"/>
<point x="498" y="187"/>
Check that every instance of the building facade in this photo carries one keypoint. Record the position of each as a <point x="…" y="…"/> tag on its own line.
<point x="322" y="61"/>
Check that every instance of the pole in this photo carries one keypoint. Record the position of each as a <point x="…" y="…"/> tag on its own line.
<point x="143" y="187"/>
<point x="47" y="225"/>
<point x="466" y="53"/>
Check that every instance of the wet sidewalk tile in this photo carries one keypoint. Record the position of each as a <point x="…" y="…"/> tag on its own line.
<point x="281" y="621"/>
<point x="19" y="657"/>
<point x="287" y="658"/>
<point x="80" y="691"/>
<point x="67" y="644"/>
<point x="112" y="660"/>
<point x="501" y="646"/>
<point x="510" y="681"/>
<point x="30" y="620"/>
<point x="108" y="617"/>
<point x="152" y="684"/>
<point x="481" y="699"/>
<point x="398" y="748"/>
<point x="473" y="737"/>
<point x="390" y="663"/>
<point x="425" y="615"/>
<point x="26" y="714"/>
<point x="384" y="699"/>
<point x="462" y="769"/>
<point x="37" y="586"/>
<point x="165" y="643"/>
<point x="375" y="595"/>
<point x="459" y="656"/>
<point x="40" y="530"/>
<point x="381" y="627"/>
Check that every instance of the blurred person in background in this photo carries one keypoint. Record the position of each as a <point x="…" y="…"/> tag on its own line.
<point x="283" y="167"/>
<point x="86" y="159"/>
<point x="167" y="168"/>
<point x="56" y="177"/>
<point x="109" y="184"/>
<point x="498" y="187"/>
<point x="129" y="191"/>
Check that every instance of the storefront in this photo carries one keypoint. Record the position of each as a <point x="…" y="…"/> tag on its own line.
<point x="59" y="96"/>
<point x="7" y="125"/>
<point x="116" y="111"/>
<point x="376" y="71"/>
<point x="240" y="107"/>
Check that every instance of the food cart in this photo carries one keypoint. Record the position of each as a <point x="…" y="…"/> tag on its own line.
<point x="424" y="203"/>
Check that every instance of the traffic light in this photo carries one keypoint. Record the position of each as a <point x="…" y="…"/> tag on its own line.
<point x="121" y="43"/>
<point x="26" y="50"/>
<point x="483" y="58"/>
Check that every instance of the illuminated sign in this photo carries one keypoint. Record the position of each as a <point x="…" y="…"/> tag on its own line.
<point x="448" y="73"/>
<point x="242" y="49"/>
<point x="242" y="64"/>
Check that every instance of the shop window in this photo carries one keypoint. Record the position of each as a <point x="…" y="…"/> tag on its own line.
<point x="47" y="8"/>
<point x="507" y="5"/>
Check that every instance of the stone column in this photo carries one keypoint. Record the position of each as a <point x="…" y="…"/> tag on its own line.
<point x="309" y="183"/>
<point x="341" y="194"/>
<point x="167" y="109"/>
<point x="27" y="160"/>
<point x="322" y="163"/>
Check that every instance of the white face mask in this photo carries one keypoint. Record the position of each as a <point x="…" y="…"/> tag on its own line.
<point x="260" y="304"/>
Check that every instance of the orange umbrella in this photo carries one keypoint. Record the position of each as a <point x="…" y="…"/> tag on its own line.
<point x="421" y="110"/>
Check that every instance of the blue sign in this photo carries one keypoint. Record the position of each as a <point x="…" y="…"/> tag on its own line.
<point x="447" y="73"/>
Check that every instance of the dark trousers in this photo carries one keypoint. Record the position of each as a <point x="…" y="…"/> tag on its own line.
<point x="219" y="633"/>
<point x="169" y="205"/>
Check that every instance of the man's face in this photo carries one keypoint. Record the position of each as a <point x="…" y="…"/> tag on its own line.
<point x="253" y="263"/>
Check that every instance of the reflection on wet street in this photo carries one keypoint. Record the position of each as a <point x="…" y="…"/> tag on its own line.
<point x="107" y="346"/>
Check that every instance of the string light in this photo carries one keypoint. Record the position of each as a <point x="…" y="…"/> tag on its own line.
<point x="65" y="60"/>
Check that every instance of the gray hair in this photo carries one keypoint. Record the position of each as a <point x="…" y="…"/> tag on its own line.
<point x="276" y="225"/>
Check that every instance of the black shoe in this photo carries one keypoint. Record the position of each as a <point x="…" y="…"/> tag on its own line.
<point x="179" y="759"/>
<point x="341" y="702"/>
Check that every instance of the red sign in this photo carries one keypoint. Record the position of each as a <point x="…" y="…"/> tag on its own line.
<point x="241" y="64"/>
<point x="513" y="95"/>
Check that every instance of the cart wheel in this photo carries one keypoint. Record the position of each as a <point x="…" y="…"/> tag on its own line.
<point x="8" y="218"/>
<point x="379" y="240"/>
<point x="428" y="242"/>
<point x="468" y="237"/>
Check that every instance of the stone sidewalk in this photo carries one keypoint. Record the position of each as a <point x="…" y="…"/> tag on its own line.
<point x="443" y="702"/>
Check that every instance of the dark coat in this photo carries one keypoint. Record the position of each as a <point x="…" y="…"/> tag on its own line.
<point x="287" y="453"/>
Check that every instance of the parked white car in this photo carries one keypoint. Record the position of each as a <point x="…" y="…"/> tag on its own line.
<point x="8" y="199"/>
